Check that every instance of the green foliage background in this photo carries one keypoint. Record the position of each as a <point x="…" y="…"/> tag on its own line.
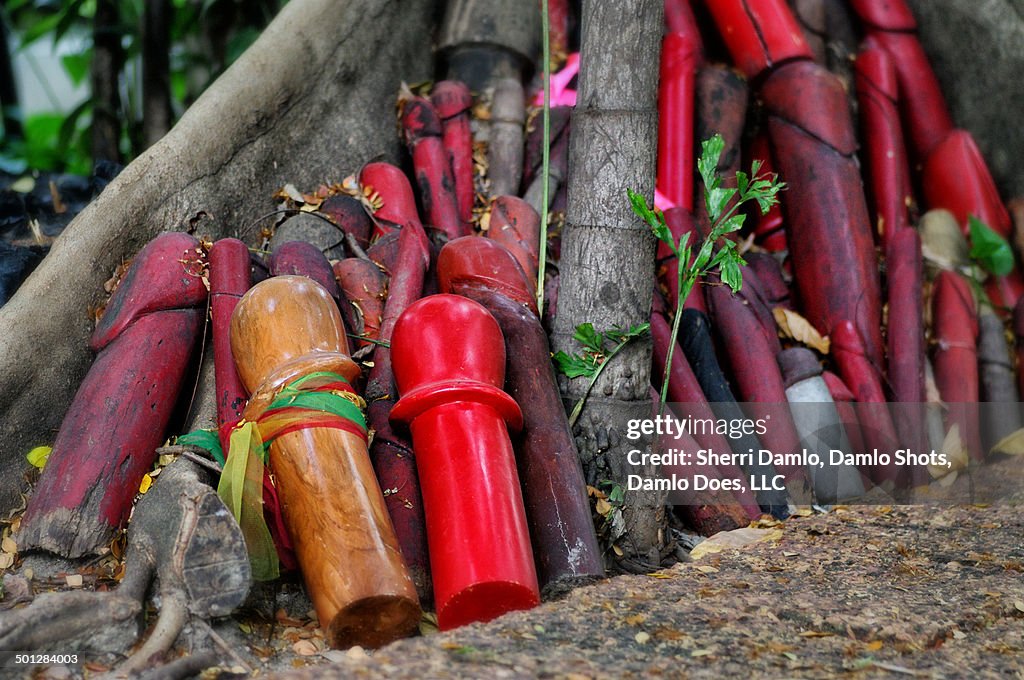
<point x="206" y="37"/>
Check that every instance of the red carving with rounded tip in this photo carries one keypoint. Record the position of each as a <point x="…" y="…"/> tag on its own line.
<point x="459" y="416"/>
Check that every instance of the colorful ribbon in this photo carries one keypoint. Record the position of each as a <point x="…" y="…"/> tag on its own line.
<point x="321" y="399"/>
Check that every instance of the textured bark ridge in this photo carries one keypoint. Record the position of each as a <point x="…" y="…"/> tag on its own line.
<point x="613" y="148"/>
<point x="312" y="99"/>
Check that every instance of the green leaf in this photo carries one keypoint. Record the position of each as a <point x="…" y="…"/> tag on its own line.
<point x="703" y="255"/>
<point x="770" y="195"/>
<point x="71" y="125"/>
<point x="640" y="207"/>
<point x="732" y="274"/>
<point x="620" y="335"/>
<point x="682" y="249"/>
<point x="639" y="330"/>
<point x="77" y="65"/>
<point x="717" y="201"/>
<point x="576" y="366"/>
<point x="68" y="17"/>
<point x="989" y="249"/>
<point x="654" y="219"/>
<point x="589" y="338"/>
<point x="38" y="456"/>
<point x="42" y="132"/>
<point x="755" y="167"/>
<point x="179" y="86"/>
<point x="39" y="29"/>
<point x="741" y="184"/>
<point x="734" y="223"/>
<point x="707" y="164"/>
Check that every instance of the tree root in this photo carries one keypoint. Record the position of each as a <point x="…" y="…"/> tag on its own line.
<point x="185" y="667"/>
<point x="182" y="534"/>
<point x="68" y="621"/>
<point x="173" y="614"/>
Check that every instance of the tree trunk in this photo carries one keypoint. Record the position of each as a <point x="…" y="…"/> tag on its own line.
<point x="107" y="59"/>
<point x="8" y="89"/>
<point x="264" y="123"/>
<point x="156" y="71"/>
<point x="607" y="265"/>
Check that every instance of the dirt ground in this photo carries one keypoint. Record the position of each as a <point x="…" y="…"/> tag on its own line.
<point x="861" y="592"/>
<point x="932" y="591"/>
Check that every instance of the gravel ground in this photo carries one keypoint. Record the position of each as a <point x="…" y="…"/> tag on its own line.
<point x="862" y="592"/>
<point x="932" y="591"/>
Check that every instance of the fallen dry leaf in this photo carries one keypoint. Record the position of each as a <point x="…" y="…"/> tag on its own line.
<point x="1011" y="445"/>
<point x="660" y="574"/>
<point x="956" y="453"/>
<point x="800" y="329"/>
<point x="304" y="648"/>
<point x="736" y="538"/>
<point x="8" y="545"/>
<point x="281" y="616"/>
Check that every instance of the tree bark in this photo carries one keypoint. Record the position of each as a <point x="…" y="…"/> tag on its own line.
<point x="9" y="110"/>
<point x="156" y="71"/>
<point x="107" y="60"/>
<point x="264" y="123"/>
<point x="608" y="252"/>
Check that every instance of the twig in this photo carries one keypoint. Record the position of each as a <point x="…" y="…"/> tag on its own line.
<point x="192" y="453"/>
<point x="893" y="668"/>
<point x="219" y="641"/>
<point x="185" y="667"/>
<point x="353" y="244"/>
<point x="545" y="157"/>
